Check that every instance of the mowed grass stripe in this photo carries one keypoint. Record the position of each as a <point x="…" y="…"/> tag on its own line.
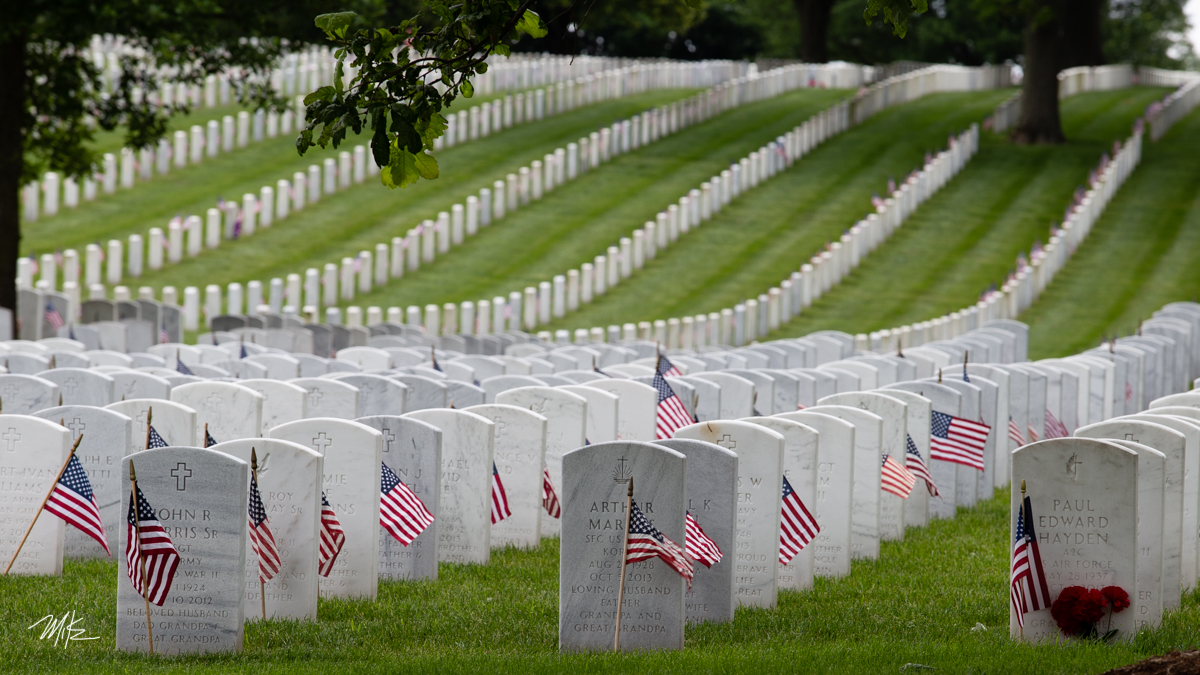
<point x="968" y="235"/>
<point x="920" y="603"/>
<point x="770" y="231"/>
<point x="360" y="218"/>
<point x="579" y="220"/>
<point x="1140" y="255"/>
<point x="194" y="190"/>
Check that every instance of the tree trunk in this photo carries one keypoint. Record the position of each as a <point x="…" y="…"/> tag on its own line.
<point x="1040" y="121"/>
<point x="12" y="81"/>
<point x="1082" y="34"/>
<point x="814" y="29"/>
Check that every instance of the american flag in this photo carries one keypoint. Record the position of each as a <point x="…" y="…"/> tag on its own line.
<point x="644" y="542"/>
<point x="155" y="441"/>
<point x="209" y="441"/>
<point x="260" y="535"/>
<point x="149" y="541"/>
<point x="1033" y="435"/>
<point x="797" y="526"/>
<point x="1029" y="591"/>
<point x="242" y="352"/>
<point x="954" y="439"/>
<point x="53" y="317"/>
<point x="915" y="464"/>
<point x="666" y="368"/>
<point x="332" y="538"/>
<point x="163" y="338"/>
<point x="1054" y="428"/>
<point x="181" y="368"/>
<point x="1014" y="432"/>
<point x="672" y="416"/>
<point x="1128" y="392"/>
<point x="73" y="500"/>
<point x="896" y="479"/>
<point x="549" y="496"/>
<point x="401" y="512"/>
<point x="500" y="509"/>
<point x="698" y="545"/>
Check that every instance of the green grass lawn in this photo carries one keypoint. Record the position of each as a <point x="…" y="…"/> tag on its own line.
<point x="917" y="604"/>
<point x="193" y="190"/>
<point x="1140" y="255"/>
<point x="968" y="235"/>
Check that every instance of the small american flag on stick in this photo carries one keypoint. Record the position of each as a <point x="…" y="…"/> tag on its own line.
<point x="671" y="415"/>
<point x="896" y="479"/>
<point x="261" y="538"/>
<point x="1054" y="428"/>
<point x="646" y="542"/>
<point x="1029" y="591"/>
<point x="73" y="500"/>
<point x="148" y="542"/>
<point x="916" y="466"/>
<point x="797" y="526"/>
<point x="666" y="368"/>
<point x="401" y="512"/>
<point x="1014" y="432"/>
<point x="500" y="509"/>
<point x="700" y="546"/>
<point x="549" y="496"/>
<point x="332" y="538"/>
<point x="957" y="440"/>
<point x="53" y="317"/>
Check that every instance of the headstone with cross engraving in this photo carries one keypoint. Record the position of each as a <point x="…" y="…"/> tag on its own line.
<point x="289" y="484"/>
<point x="465" y="509"/>
<point x="595" y="485"/>
<point x="760" y="490"/>
<point x="200" y="498"/>
<point x="834" y="506"/>
<point x="80" y="386"/>
<point x="353" y="455"/>
<point x="893" y="444"/>
<point x="519" y="455"/>
<point x="800" y="451"/>
<point x="603" y="412"/>
<point x="712" y="502"/>
<point x="26" y="394"/>
<point x="424" y="392"/>
<point x="131" y="384"/>
<point x="947" y="401"/>
<point x="175" y="422"/>
<point x="1084" y="494"/>
<point x="413" y="450"/>
<point x="1160" y="509"/>
<point x="282" y="402"/>
<point x="32" y="451"/>
<point x="229" y="411"/>
<point x="106" y="439"/>
<point x="566" y="424"/>
<point x="377" y="395"/>
<point x="868" y="435"/>
<point x="329" y="398"/>
<point x="637" y="412"/>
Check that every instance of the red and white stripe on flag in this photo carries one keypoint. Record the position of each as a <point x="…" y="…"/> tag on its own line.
<point x="401" y="512"/>
<point x="896" y="479"/>
<point x="332" y="538"/>
<point x="73" y="500"/>
<point x="1054" y="428"/>
<point x="671" y="415"/>
<point x="1014" y="432"/>
<point x="797" y="527"/>
<point x="147" y="543"/>
<point x="1033" y="435"/>
<point x="500" y="508"/>
<point x="957" y="440"/>
<point x="549" y="496"/>
<point x="698" y="545"/>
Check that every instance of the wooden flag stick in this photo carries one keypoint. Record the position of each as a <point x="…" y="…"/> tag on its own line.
<point x="149" y="419"/>
<point x="39" y="511"/>
<point x="141" y="561"/>
<point x="262" y="585"/>
<point x="624" y="555"/>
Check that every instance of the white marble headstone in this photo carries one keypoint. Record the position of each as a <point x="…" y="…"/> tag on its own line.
<point x="175" y="422"/>
<point x="329" y="398"/>
<point x="282" y="402"/>
<point x="32" y="452"/>
<point x="868" y="435"/>
<point x="229" y="411"/>
<point x="520" y="455"/>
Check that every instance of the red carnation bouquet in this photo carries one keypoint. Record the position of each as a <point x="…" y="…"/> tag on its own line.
<point x="1078" y="610"/>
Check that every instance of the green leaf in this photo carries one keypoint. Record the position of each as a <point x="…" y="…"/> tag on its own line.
<point x="431" y="129"/>
<point x="427" y="165"/>
<point x="381" y="147"/>
<point x="532" y="24"/>
<point x="468" y="89"/>
<point x="401" y="171"/>
<point x="335" y="24"/>
<point x="323" y="94"/>
<point x="406" y="136"/>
